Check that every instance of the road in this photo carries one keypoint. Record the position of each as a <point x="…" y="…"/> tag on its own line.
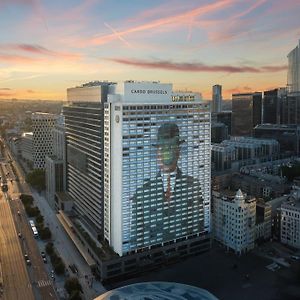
<point x="16" y="283"/>
<point x="62" y="242"/>
<point x="41" y="283"/>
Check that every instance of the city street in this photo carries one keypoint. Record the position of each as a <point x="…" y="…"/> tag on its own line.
<point x="40" y="281"/>
<point x="67" y="250"/>
<point x="16" y="283"/>
<point x="61" y="241"/>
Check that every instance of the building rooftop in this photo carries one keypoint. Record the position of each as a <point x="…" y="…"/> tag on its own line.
<point x="277" y="126"/>
<point x="157" y="291"/>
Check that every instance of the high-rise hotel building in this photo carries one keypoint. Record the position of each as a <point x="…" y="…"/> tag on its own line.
<point x="156" y="166"/>
<point x="138" y="163"/>
<point x="84" y="150"/>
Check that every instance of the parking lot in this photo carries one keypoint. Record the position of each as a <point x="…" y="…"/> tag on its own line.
<point x="230" y="277"/>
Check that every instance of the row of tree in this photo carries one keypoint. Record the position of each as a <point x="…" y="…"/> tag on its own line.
<point x="56" y="261"/>
<point x="34" y="212"/>
<point x="36" y="179"/>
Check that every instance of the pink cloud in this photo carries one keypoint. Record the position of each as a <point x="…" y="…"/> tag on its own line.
<point x="16" y="58"/>
<point x="196" y="67"/>
<point x="174" y="21"/>
<point x="39" y="50"/>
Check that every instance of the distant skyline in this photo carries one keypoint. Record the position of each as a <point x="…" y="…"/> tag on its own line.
<point x="48" y="46"/>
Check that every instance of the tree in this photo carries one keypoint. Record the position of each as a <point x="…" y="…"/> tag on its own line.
<point x="49" y="248"/>
<point x="31" y="211"/>
<point x="26" y="199"/>
<point x="72" y="284"/>
<point x="59" y="267"/>
<point x="290" y="172"/>
<point x="45" y="233"/>
<point x="36" y="178"/>
<point x="39" y="219"/>
<point x="75" y="295"/>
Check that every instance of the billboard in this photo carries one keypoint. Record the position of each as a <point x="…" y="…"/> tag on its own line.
<point x="163" y="178"/>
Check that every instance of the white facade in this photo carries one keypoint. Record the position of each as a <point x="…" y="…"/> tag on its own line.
<point x="26" y="146"/>
<point x="134" y="216"/>
<point x="54" y="177"/>
<point x="42" y="125"/>
<point x="56" y="164"/>
<point x="234" y="221"/>
<point x="290" y="223"/>
<point x="293" y="78"/>
<point x="217" y="98"/>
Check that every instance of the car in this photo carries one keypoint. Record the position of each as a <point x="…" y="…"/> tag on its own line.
<point x="295" y="257"/>
<point x="28" y="262"/>
<point x="75" y="268"/>
<point x="43" y="254"/>
<point x="72" y="268"/>
<point x="44" y="260"/>
<point x="19" y="213"/>
<point x="19" y="234"/>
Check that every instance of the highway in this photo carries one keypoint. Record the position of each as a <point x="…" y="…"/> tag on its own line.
<point x="41" y="284"/>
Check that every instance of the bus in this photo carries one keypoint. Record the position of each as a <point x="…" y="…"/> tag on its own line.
<point x="33" y="228"/>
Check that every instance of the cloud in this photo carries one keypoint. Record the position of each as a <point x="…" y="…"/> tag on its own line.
<point x="247" y="88"/>
<point x="32" y="48"/>
<point x="32" y="53"/>
<point x="5" y="89"/>
<point x="38" y="50"/>
<point x="175" y="20"/>
<point x="195" y="67"/>
<point x="18" y="2"/>
<point x="30" y="91"/>
<point x="10" y="58"/>
<point x="238" y="89"/>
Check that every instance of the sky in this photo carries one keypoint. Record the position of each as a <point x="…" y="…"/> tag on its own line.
<point x="49" y="46"/>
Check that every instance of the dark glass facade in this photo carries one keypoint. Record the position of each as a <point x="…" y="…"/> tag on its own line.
<point x="84" y="131"/>
<point x="246" y="113"/>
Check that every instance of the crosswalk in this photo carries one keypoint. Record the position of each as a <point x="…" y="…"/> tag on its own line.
<point x="42" y="283"/>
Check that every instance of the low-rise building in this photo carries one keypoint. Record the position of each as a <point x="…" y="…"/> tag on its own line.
<point x="260" y="185"/>
<point x="290" y="221"/>
<point x="234" y="220"/>
<point x="263" y="224"/>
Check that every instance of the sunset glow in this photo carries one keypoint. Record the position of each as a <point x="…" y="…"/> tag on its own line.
<point x="48" y="46"/>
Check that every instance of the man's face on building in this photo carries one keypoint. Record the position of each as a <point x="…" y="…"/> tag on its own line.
<point x="168" y="154"/>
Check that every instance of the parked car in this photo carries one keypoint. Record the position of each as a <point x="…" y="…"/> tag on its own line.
<point x="295" y="257"/>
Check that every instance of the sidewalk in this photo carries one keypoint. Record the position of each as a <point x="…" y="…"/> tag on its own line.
<point x="67" y="250"/>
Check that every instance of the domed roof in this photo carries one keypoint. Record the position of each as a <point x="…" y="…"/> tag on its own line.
<point x="157" y="291"/>
<point x="239" y="196"/>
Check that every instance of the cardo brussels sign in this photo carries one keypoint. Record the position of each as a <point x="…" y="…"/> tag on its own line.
<point x="145" y="92"/>
<point x="161" y="92"/>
